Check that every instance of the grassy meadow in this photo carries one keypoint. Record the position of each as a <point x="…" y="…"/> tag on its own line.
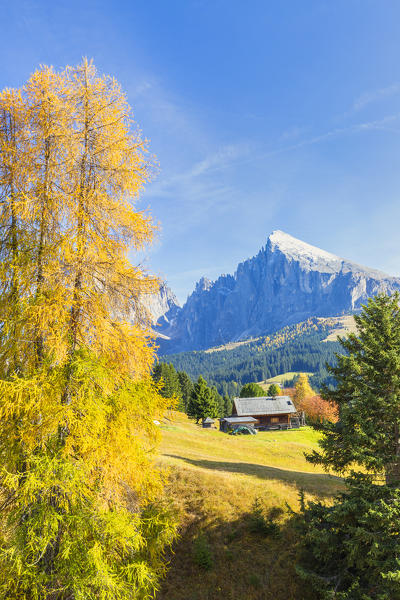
<point x="214" y="480"/>
<point x="281" y="379"/>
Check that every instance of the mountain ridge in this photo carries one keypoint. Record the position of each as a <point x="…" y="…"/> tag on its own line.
<point x="286" y="282"/>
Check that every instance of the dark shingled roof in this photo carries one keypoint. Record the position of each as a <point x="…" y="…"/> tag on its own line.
<point x="264" y="405"/>
<point x="239" y="420"/>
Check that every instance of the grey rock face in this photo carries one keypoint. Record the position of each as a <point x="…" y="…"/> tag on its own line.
<point x="163" y="307"/>
<point x="287" y="282"/>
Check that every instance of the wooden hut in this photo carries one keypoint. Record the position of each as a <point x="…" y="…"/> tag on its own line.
<point x="271" y="412"/>
<point x="207" y="423"/>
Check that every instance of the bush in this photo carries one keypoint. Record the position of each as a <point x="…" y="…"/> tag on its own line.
<point x="264" y="524"/>
<point x="202" y="553"/>
<point x="255" y="581"/>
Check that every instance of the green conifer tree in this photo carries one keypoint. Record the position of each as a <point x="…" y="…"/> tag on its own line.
<point x="350" y="550"/>
<point x="186" y="386"/>
<point x="227" y="406"/>
<point x="251" y="390"/>
<point x="367" y="435"/>
<point x="202" y="402"/>
<point x="219" y="401"/>
<point x="166" y="375"/>
<point x="274" y="390"/>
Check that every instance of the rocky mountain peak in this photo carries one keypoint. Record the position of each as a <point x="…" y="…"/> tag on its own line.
<point x="287" y="282"/>
<point x="310" y="257"/>
<point x="203" y="285"/>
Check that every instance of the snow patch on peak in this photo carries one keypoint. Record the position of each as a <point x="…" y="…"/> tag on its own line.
<point x="310" y="257"/>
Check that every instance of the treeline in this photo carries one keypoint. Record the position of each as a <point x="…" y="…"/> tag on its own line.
<point x="291" y="349"/>
<point x="198" y="400"/>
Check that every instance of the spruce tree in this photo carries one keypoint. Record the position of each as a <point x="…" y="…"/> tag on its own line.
<point x="186" y="386"/>
<point x="274" y="390"/>
<point x="219" y="401"/>
<point x="367" y="435"/>
<point x="202" y="403"/>
<point x="350" y="549"/>
<point x="167" y="377"/>
<point x="228" y="404"/>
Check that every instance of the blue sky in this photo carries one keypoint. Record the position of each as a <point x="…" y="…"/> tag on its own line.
<point x="263" y="115"/>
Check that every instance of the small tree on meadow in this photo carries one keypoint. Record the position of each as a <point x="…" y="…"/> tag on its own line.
<point x="318" y="410"/>
<point x="202" y="403"/>
<point x="166" y="375"/>
<point x="228" y="404"/>
<point x="219" y="401"/>
<point x="274" y="390"/>
<point x="251" y="390"/>
<point x="303" y="390"/>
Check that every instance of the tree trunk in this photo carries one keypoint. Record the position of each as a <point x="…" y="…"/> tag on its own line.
<point x="39" y="343"/>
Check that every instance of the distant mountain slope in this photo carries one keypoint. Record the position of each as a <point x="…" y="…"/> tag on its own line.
<point x="286" y="283"/>
<point x="301" y="347"/>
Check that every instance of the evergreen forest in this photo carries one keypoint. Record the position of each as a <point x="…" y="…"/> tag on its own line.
<point x="295" y="348"/>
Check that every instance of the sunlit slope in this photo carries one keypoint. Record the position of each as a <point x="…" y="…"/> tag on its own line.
<point x="214" y="480"/>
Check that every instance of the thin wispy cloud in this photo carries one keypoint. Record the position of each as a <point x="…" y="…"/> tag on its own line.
<point x="376" y="95"/>
<point x="141" y="89"/>
<point x="223" y="158"/>
<point x="378" y="124"/>
<point x="339" y="131"/>
<point x="220" y="159"/>
<point x="293" y="133"/>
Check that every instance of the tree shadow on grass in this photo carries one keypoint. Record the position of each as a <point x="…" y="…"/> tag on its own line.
<point x="314" y="483"/>
<point x="241" y="565"/>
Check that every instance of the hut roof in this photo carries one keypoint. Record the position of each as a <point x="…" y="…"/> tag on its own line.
<point x="208" y="420"/>
<point x="264" y="405"/>
<point x="239" y="420"/>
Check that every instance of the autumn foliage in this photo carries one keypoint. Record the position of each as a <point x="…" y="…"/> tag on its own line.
<point x="316" y="409"/>
<point x="77" y="404"/>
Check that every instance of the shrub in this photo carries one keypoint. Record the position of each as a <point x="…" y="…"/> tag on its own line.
<point x="264" y="524"/>
<point x="202" y="553"/>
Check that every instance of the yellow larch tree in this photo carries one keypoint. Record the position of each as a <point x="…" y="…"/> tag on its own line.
<point x="303" y="390"/>
<point x="80" y="517"/>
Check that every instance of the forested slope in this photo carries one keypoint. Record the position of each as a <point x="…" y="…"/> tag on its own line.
<point x="300" y="347"/>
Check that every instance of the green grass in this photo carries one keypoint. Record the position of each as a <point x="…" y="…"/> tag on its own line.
<point x="214" y="480"/>
<point x="344" y="326"/>
<point x="280" y="379"/>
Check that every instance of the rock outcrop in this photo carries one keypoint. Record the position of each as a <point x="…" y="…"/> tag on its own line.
<point x="163" y="307"/>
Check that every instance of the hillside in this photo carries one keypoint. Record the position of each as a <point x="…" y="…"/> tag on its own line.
<point x="214" y="480"/>
<point x="283" y="380"/>
<point x="287" y="282"/>
<point x="301" y="347"/>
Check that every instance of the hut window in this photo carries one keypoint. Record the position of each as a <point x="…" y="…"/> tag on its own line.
<point x="274" y="419"/>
